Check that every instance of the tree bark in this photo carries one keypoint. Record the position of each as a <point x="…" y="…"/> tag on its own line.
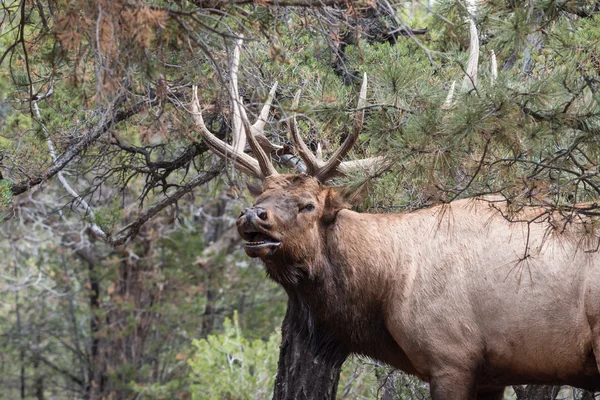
<point x="536" y="392"/>
<point x="96" y="371"/>
<point x="388" y="383"/>
<point x="585" y="395"/>
<point x="301" y="373"/>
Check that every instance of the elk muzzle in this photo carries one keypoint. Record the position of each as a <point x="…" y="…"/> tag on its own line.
<point x="255" y="227"/>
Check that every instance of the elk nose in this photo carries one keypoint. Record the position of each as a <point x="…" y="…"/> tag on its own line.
<point x="261" y="213"/>
<point x="250" y="213"/>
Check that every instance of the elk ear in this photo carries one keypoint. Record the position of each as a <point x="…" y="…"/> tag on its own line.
<point x="341" y="197"/>
<point x="355" y="195"/>
<point x="255" y="189"/>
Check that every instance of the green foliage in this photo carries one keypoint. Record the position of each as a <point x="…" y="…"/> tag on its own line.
<point x="5" y="195"/>
<point x="235" y="283"/>
<point x="450" y="33"/>
<point x="510" y="30"/>
<point x="5" y="192"/>
<point x="229" y="366"/>
<point x="108" y="217"/>
<point x="173" y="389"/>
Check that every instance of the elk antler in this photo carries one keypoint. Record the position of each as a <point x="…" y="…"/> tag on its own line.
<point x="242" y="161"/>
<point x="312" y="163"/>
<point x="494" y="67"/>
<point x="470" y="81"/>
<point x="260" y="167"/>
<point x="263" y="159"/>
<point x="324" y="171"/>
<point x="331" y="166"/>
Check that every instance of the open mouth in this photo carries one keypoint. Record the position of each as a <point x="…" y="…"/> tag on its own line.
<point x="259" y="239"/>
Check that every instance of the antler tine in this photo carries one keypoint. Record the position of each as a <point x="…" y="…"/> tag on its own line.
<point x="319" y="153"/>
<point x="259" y="125"/>
<point x="260" y="167"/>
<point x="312" y="164"/>
<point x="239" y="138"/>
<point x="264" y="160"/>
<point x="450" y="96"/>
<point x="371" y="165"/>
<point x="329" y="169"/>
<point x="240" y="119"/>
<point x="258" y="128"/>
<point x="470" y="80"/>
<point x="494" y="68"/>
<point x="243" y="162"/>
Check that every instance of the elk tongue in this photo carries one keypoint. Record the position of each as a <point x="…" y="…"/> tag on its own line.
<point x="260" y="239"/>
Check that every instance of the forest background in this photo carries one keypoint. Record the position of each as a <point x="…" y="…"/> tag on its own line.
<point x="121" y="273"/>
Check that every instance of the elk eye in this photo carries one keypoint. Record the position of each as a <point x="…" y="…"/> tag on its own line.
<point x="308" y="208"/>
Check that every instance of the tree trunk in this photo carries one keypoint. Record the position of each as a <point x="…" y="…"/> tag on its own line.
<point x="301" y="373"/>
<point x="536" y="392"/>
<point x="93" y="387"/>
<point x="388" y="383"/>
<point x="585" y="395"/>
<point x="96" y="369"/>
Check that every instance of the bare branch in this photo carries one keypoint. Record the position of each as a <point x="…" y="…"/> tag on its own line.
<point x="127" y="233"/>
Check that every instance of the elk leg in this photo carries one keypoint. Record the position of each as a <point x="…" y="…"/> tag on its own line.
<point x="595" y="326"/>
<point x="596" y="346"/>
<point x="490" y="394"/>
<point x="454" y="384"/>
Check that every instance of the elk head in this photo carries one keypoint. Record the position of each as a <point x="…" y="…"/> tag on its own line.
<point x="286" y="221"/>
<point x="284" y="224"/>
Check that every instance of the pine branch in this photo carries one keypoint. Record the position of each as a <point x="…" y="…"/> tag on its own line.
<point x="73" y="151"/>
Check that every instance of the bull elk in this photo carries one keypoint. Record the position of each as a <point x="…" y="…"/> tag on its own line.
<point x="436" y="293"/>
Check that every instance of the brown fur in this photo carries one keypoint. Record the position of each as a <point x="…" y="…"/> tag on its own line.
<point x="454" y="294"/>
